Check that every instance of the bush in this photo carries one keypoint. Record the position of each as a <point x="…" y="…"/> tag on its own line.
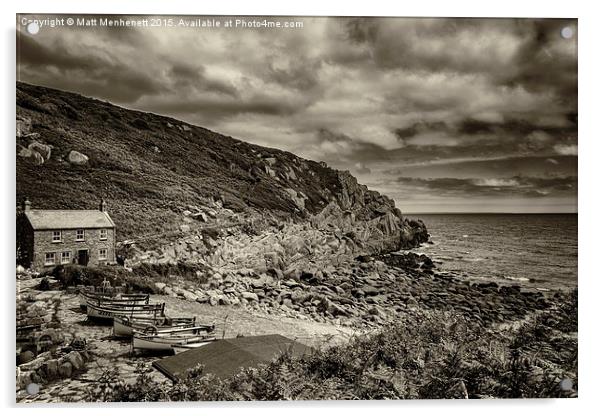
<point x="73" y="275"/>
<point x="140" y="124"/>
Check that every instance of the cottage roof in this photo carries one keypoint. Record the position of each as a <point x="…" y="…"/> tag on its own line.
<point x="226" y="357"/>
<point x="42" y="219"/>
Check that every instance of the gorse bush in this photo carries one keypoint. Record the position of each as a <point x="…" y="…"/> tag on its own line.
<point x="430" y="355"/>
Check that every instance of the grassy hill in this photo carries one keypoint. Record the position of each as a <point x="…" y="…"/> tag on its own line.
<point x="150" y="168"/>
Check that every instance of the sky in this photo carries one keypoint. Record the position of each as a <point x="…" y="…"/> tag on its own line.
<point x="440" y="114"/>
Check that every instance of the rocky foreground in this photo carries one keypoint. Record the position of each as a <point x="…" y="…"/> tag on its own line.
<point x="317" y="307"/>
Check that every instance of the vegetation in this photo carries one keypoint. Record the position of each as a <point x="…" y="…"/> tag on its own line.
<point x="427" y="355"/>
<point x="150" y="168"/>
<point x="140" y="279"/>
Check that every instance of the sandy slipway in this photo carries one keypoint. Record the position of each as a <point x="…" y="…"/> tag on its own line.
<point x="109" y="354"/>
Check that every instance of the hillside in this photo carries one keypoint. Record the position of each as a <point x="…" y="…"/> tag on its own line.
<point x="153" y="170"/>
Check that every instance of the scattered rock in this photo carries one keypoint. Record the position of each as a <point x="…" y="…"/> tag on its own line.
<point x="250" y="296"/>
<point x="65" y="369"/>
<point x="77" y="158"/>
<point x="43" y="149"/>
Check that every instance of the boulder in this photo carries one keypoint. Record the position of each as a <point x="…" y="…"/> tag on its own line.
<point x="66" y="369"/>
<point x="370" y="290"/>
<point x="32" y="155"/>
<point x="51" y="368"/>
<point x="250" y="296"/>
<point x="43" y="149"/>
<point x="23" y="379"/>
<point x="23" y="126"/>
<point x="413" y="234"/>
<point x="77" y="158"/>
<point x="188" y="295"/>
<point x="202" y="299"/>
<point x="160" y="286"/>
<point x="75" y="359"/>
<point x="26" y="356"/>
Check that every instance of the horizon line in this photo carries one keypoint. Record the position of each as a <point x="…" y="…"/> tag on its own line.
<point x="488" y="213"/>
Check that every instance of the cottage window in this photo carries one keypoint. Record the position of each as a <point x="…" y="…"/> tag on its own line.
<point x="49" y="259"/>
<point x="65" y="257"/>
<point x="103" y="234"/>
<point x="79" y="235"/>
<point x="57" y="237"/>
<point x="102" y="254"/>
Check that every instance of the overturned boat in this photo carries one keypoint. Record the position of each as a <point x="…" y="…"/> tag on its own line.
<point x="124" y="326"/>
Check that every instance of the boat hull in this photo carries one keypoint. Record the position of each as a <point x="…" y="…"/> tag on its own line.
<point x="126" y="299"/>
<point x="126" y="328"/>
<point x="108" y="311"/>
<point x="168" y="344"/>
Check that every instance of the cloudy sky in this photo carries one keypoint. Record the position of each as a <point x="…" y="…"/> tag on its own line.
<point x="443" y="115"/>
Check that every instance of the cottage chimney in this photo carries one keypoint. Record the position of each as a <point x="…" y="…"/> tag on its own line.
<point x="103" y="205"/>
<point x="26" y="205"/>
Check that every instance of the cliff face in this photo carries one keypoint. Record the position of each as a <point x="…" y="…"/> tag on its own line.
<point x="166" y="180"/>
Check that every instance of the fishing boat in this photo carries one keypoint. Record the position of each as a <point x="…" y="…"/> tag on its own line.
<point x="177" y="340"/>
<point x="109" y="310"/>
<point x="107" y="292"/>
<point x="124" y="326"/>
<point x="123" y="298"/>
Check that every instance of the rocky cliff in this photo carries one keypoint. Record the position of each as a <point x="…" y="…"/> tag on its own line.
<point x="181" y="190"/>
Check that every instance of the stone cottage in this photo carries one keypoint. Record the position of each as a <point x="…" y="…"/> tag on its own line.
<point x="48" y="238"/>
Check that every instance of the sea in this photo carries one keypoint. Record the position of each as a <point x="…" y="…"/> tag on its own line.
<point x="534" y="250"/>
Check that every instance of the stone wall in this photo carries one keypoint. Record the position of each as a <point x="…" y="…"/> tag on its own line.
<point x="43" y="244"/>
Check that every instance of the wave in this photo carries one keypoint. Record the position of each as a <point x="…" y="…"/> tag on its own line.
<point x="517" y="279"/>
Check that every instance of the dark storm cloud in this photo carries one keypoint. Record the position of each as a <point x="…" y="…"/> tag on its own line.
<point x="98" y="75"/>
<point x="494" y="187"/>
<point x="184" y="75"/>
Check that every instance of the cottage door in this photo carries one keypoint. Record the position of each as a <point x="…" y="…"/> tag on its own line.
<point x="82" y="257"/>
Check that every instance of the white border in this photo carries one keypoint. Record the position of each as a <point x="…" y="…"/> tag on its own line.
<point x="590" y="136"/>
